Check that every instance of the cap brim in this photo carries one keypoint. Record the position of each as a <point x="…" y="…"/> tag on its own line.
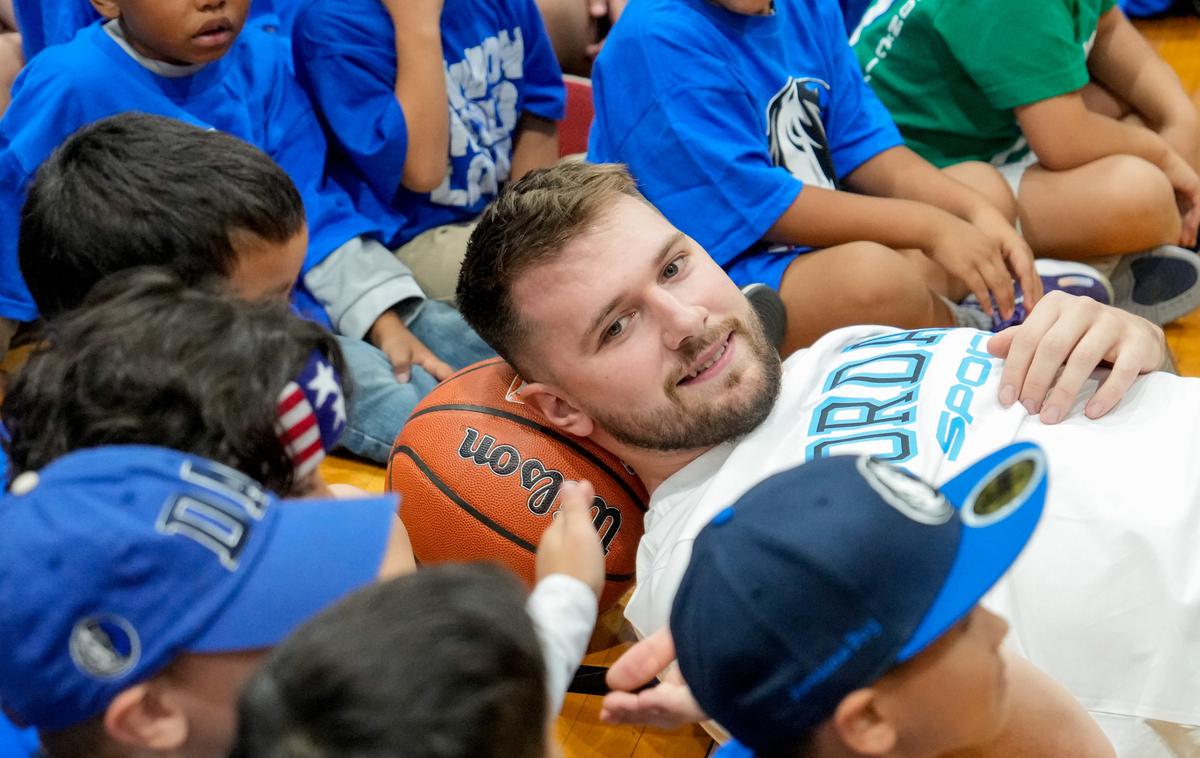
<point x="319" y="551"/>
<point x="999" y="501"/>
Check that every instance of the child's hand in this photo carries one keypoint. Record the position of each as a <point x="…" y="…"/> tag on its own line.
<point x="571" y="545"/>
<point x="977" y="260"/>
<point x="1015" y="250"/>
<point x="390" y="335"/>
<point x="1187" y="195"/>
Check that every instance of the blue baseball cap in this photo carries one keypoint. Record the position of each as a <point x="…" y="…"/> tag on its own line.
<point x="822" y="578"/>
<point x="115" y="560"/>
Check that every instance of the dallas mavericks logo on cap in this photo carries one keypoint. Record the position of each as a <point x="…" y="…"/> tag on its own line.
<point x="105" y="646"/>
<point x="904" y="492"/>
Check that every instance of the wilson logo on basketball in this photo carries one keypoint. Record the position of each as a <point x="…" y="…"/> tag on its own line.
<point x="542" y="483"/>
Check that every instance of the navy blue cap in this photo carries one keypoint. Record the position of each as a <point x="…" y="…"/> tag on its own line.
<point x="822" y="578"/>
<point x="117" y="559"/>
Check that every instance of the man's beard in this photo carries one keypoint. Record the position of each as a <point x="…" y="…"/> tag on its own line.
<point x="680" y="427"/>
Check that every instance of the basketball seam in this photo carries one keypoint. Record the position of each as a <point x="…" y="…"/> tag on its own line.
<point x="483" y="519"/>
<point x="592" y="457"/>
<point x="471" y="369"/>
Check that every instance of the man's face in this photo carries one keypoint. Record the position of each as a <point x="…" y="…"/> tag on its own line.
<point x="953" y="694"/>
<point x="266" y="269"/>
<point x="178" y="31"/>
<point x="638" y="328"/>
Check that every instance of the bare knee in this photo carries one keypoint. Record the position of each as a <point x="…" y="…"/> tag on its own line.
<point x="1141" y="193"/>
<point x="879" y="278"/>
<point x="855" y="283"/>
<point x="987" y="181"/>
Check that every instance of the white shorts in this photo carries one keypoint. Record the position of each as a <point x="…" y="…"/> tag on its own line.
<point x="1015" y="171"/>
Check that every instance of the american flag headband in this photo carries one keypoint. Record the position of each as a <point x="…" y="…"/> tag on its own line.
<point x="311" y="414"/>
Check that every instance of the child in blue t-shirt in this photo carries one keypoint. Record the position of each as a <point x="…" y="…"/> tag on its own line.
<point x="194" y="65"/>
<point x="747" y="123"/>
<point x="383" y="76"/>
<point x="51" y="23"/>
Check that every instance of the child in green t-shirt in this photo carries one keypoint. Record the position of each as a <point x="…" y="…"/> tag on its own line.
<point x="1093" y="131"/>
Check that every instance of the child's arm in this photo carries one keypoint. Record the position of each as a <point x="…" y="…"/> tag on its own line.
<point x="1123" y="61"/>
<point x="570" y="571"/>
<point x="822" y="218"/>
<point x="535" y="145"/>
<point x="901" y="173"/>
<point x="421" y="90"/>
<point x="1065" y="135"/>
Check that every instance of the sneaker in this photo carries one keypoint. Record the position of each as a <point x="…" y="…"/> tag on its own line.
<point x="1160" y="284"/>
<point x="1071" y="277"/>
<point x="772" y="313"/>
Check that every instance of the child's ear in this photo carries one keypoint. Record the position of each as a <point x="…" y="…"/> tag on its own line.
<point x="862" y="726"/>
<point x="557" y="409"/>
<point x="143" y="716"/>
<point x="107" y="8"/>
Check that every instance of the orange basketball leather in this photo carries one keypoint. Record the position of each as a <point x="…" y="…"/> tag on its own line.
<point x="479" y="473"/>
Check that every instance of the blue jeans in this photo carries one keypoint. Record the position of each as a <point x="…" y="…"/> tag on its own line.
<point x="379" y="405"/>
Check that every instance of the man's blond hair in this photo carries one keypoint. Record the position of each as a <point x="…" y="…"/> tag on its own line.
<point x="528" y="225"/>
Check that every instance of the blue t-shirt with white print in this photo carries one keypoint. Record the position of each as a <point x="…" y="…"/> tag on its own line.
<point x="53" y="22"/>
<point x="724" y="117"/>
<point x="249" y="93"/>
<point x="498" y="64"/>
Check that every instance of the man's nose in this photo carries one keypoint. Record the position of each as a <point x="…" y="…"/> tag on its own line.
<point x="680" y="320"/>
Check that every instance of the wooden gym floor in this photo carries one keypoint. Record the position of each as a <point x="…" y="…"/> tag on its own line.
<point x="579" y="728"/>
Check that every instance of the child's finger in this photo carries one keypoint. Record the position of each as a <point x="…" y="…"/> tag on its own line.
<point x="577" y="498"/>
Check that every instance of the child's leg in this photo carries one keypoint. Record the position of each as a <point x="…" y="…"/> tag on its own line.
<point x="1114" y="205"/>
<point x="379" y="405"/>
<point x="435" y="256"/>
<point x="856" y="283"/>
<point x="987" y="181"/>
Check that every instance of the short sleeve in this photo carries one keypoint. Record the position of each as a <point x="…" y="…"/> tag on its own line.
<point x="699" y="155"/>
<point x="353" y="87"/>
<point x="43" y="112"/>
<point x="1017" y="52"/>
<point x="543" y="84"/>
<point x="858" y="125"/>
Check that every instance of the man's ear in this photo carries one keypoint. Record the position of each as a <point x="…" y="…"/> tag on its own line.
<point x="862" y="726"/>
<point x="558" y="410"/>
<point x="146" y="717"/>
<point x="107" y="8"/>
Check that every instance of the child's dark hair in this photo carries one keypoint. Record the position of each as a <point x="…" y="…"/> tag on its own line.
<point x="140" y="190"/>
<point x="439" y="664"/>
<point x="150" y="361"/>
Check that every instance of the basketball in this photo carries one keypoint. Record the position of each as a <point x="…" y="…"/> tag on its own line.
<point x="479" y="474"/>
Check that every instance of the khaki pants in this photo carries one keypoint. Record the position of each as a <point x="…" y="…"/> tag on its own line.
<point x="435" y="256"/>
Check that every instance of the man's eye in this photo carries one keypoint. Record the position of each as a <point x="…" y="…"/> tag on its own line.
<point x="672" y="269"/>
<point x="616" y="328"/>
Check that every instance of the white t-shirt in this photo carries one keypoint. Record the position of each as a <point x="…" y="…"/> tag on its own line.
<point x="563" y="610"/>
<point x="1105" y="599"/>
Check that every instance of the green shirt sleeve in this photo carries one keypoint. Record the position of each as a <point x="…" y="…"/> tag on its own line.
<point x="1016" y="51"/>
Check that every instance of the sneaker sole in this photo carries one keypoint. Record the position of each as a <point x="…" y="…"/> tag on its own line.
<point x="1160" y="285"/>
